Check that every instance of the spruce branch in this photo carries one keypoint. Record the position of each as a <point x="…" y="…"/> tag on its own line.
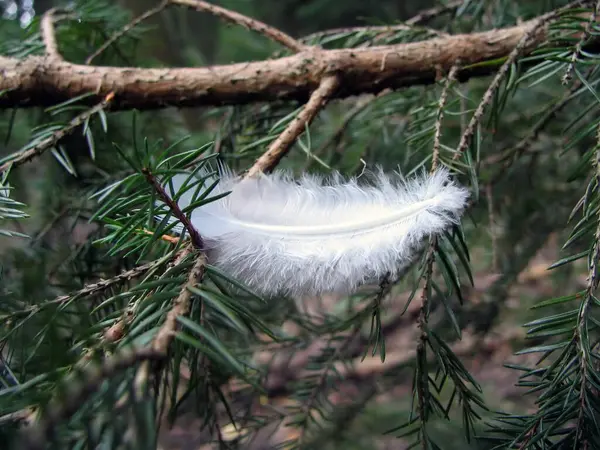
<point x="51" y="141"/>
<point x="584" y="37"/>
<point x="95" y="288"/>
<point x="581" y="337"/>
<point x="528" y="36"/>
<point x="279" y="148"/>
<point x="181" y="307"/>
<point x="36" y="81"/>
<point x="35" y="436"/>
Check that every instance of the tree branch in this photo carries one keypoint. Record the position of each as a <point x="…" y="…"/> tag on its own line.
<point x="51" y="141"/>
<point x="38" y="81"/>
<point x="282" y="144"/>
<point x="35" y="437"/>
<point x="525" y="40"/>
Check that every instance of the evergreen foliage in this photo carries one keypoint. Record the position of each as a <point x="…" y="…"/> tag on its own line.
<point x="111" y="330"/>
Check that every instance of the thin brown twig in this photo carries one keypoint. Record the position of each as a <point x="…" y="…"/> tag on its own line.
<point x="279" y="148"/>
<point x="52" y="140"/>
<point x="127" y="28"/>
<point x="495" y="84"/>
<point x="247" y="22"/>
<point x="440" y="117"/>
<point x="194" y="235"/>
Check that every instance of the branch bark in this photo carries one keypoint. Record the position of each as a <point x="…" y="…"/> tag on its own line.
<point x="38" y="81"/>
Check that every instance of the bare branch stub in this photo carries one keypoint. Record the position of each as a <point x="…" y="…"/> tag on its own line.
<point x="279" y="148"/>
<point x="247" y="22"/>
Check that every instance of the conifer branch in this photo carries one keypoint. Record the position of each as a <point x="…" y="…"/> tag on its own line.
<point x="36" y="81"/>
<point x="55" y="138"/>
<point x="35" y="436"/>
<point x="94" y="288"/>
<point x="524" y="41"/>
<point x="584" y="37"/>
<point x="581" y="337"/>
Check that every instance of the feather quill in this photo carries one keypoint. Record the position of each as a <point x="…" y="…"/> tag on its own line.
<point x="316" y="235"/>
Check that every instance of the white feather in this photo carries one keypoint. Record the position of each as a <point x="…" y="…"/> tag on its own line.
<point x="311" y="236"/>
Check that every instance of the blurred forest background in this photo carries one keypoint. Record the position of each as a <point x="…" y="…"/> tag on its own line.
<point x="531" y="162"/>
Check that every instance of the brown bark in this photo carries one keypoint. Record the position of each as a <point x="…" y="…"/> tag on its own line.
<point x="39" y="81"/>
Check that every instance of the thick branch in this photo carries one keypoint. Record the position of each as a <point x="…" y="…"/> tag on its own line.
<point x="37" y="81"/>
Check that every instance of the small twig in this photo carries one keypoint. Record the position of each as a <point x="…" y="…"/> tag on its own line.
<point x="36" y="436"/>
<point x="581" y="330"/>
<point x="493" y="87"/>
<point x="52" y="140"/>
<point x="49" y="34"/>
<point x="194" y="235"/>
<point x="440" y="117"/>
<point x="127" y="28"/>
<point x="247" y="22"/>
<point x="586" y="34"/>
<point x="278" y="149"/>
